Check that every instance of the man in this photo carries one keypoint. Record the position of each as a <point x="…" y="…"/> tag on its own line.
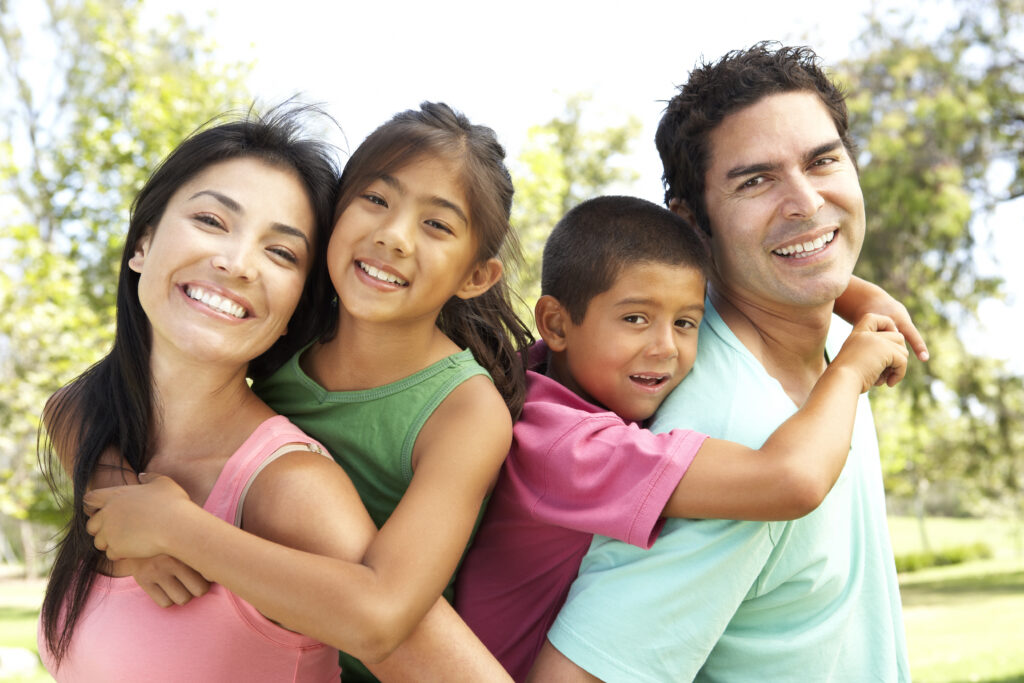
<point x="757" y="152"/>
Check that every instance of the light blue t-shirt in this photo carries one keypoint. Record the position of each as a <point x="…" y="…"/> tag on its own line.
<point x="815" y="599"/>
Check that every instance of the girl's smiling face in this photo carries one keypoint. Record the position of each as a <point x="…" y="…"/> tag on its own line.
<point x="405" y="245"/>
<point x="222" y="271"/>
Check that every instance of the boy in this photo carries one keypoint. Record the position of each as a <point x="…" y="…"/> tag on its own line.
<point x="623" y="287"/>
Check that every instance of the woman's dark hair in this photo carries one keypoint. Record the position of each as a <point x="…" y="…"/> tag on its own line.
<point x="486" y="324"/>
<point x="111" y="405"/>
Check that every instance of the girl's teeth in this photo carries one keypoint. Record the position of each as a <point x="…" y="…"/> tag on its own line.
<point x="381" y="275"/>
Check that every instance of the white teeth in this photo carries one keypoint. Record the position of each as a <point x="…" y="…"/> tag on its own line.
<point x="381" y="275"/>
<point x="215" y="301"/>
<point x="801" y="250"/>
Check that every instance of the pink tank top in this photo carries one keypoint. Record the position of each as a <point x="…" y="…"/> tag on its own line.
<point x="123" y="635"/>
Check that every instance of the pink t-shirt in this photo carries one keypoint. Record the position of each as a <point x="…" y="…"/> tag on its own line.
<point x="574" y="470"/>
<point x="123" y="635"/>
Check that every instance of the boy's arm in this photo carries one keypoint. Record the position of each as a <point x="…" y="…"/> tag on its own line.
<point x="862" y="297"/>
<point x="796" y="467"/>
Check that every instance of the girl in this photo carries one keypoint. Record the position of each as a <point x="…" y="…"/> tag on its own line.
<point x="220" y="243"/>
<point x="397" y="390"/>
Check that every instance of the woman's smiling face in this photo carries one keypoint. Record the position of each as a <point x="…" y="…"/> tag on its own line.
<point x="222" y="271"/>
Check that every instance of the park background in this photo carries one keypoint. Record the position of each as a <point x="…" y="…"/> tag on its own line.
<point x="94" y="92"/>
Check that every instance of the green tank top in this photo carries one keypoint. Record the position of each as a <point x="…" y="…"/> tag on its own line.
<point x="370" y="432"/>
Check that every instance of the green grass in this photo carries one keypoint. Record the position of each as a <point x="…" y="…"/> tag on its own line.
<point x="965" y="623"/>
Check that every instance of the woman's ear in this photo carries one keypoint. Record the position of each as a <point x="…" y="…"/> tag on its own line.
<point x="141" y="249"/>
<point x="483" y="277"/>
<point x="552" y="320"/>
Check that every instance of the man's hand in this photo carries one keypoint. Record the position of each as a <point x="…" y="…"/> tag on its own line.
<point x="127" y="521"/>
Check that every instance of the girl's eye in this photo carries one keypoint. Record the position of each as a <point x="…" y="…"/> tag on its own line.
<point x="210" y="219"/>
<point x="438" y="225"/>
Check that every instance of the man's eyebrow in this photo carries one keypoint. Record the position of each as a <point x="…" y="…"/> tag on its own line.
<point x="222" y="198"/>
<point x="810" y="155"/>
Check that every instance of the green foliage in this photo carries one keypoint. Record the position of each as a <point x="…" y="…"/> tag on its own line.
<point x="93" y="93"/>
<point x="911" y="562"/>
<point x="937" y="117"/>
<point x="562" y="164"/>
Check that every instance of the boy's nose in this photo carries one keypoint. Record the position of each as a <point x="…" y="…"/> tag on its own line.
<point x="663" y="344"/>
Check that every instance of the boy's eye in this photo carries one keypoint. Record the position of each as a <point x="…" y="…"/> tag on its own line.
<point x="634" y="318"/>
<point x="685" y="324"/>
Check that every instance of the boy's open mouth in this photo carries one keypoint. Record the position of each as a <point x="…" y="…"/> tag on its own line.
<point x="649" y="380"/>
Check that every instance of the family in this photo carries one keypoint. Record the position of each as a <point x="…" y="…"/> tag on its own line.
<point x="678" y="481"/>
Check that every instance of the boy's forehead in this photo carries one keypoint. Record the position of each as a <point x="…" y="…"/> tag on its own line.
<point x="645" y="281"/>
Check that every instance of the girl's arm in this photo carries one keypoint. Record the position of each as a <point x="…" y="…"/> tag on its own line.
<point x="364" y="609"/>
<point x="796" y="467"/>
<point x="862" y="297"/>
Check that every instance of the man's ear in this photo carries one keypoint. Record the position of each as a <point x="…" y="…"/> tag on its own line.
<point x="141" y="249"/>
<point x="483" y="277"/>
<point x="681" y="208"/>
<point x="552" y="322"/>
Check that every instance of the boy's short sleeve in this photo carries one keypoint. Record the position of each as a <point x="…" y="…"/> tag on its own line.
<point x="588" y="470"/>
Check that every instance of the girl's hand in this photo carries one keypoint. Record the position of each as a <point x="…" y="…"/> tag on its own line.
<point x="128" y="521"/>
<point x="165" y="579"/>
<point x="862" y="298"/>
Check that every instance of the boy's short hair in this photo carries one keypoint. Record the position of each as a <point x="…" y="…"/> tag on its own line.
<point x="594" y="241"/>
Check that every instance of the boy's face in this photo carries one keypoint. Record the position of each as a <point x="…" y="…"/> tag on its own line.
<point x="637" y="340"/>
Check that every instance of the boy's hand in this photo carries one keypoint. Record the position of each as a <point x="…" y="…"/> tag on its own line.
<point x="875" y="350"/>
<point x="863" y="298"/>
<point x="166" y="580"/>
<point x="127" y="521"/>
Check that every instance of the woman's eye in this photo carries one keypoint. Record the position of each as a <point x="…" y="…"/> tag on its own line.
<point x="285" y="254"/>
<point x="375" y="199"/>
<point x="210" y="219"/>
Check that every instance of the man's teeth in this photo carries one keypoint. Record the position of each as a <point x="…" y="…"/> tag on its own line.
<point x="381" y="275"/>
<point x="801" y="250"/>
<point x="215" y="301"/>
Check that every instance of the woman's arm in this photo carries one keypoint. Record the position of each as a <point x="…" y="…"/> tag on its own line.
<point x="365" y="609"/>
<point x="796" y="467"/>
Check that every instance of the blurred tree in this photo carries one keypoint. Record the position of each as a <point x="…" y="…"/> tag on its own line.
<point x="93" y="93"/>
<point x="562" y="164"/>
<point x="939" y="119"/>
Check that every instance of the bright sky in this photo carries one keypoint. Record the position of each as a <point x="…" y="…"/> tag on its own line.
<point x="511" y="65"/>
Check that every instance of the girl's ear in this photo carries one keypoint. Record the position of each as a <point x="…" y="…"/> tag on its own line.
<point x="141" y="249"/>
<point x="552" y="320"/>
<point x="483" y="277"/>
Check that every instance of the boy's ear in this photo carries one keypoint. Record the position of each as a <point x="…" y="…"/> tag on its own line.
<point x="681" y="208"/>
<point x="141" y="249"/>
<point x="483" y="277"/>
<point x="552" y="320"/>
